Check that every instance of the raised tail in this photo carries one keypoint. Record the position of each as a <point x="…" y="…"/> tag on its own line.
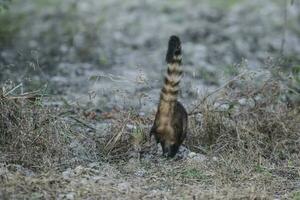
<point x="170" y="123"/>
<point x="172" y="79"/>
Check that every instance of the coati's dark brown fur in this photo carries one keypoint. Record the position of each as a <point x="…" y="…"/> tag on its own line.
<point x="170" y="125"/>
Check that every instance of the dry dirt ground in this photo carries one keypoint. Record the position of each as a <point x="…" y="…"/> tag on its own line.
<point x="79" y="87"/>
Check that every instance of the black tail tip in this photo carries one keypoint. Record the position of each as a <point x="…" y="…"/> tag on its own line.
<point x="174" y="40"/>
<point x="174" y="49"/>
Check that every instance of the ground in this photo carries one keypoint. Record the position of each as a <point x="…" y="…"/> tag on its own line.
<point x="97" y="68"/>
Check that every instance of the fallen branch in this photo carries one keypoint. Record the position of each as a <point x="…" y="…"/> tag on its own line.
<point x="83" y="123"/>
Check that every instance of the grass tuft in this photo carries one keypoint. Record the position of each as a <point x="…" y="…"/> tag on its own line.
<point x="247" y="117"/>
<point x="37" y="137"/>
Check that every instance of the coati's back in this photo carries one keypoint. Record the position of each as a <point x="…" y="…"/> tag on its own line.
<point x="170" y="125"/>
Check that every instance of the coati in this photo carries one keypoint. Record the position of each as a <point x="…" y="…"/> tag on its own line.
<point x="170" y="124"/>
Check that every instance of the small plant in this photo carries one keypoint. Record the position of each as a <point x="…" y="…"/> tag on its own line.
<point x="296" y="196"/>
<point x="4" y="4"/>
<point x="138" y="137"/>
<point x="193" y="173"/>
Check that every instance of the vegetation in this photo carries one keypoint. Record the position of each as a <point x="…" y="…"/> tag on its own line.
<point x="244" y="133"/>
<point x="73" y="126"/>
<point x="4" y="4"/>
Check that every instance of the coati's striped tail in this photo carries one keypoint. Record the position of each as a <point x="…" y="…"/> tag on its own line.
<point x="170" y="124"/>
<point x="170" y="89"/>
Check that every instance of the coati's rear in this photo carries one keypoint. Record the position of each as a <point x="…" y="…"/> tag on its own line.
<point x="170" y="125"/>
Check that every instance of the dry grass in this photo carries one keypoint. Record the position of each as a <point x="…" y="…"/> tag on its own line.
<point x="37" y="137"/>
<point x="248" y="133"/>
<point x="128" y="135"/>
<point x="249" y="118"/>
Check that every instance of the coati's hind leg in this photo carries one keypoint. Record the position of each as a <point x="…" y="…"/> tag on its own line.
<point x="154" y="134"/>
<point x="153" y="140"/>
<point x="163" y="146"/>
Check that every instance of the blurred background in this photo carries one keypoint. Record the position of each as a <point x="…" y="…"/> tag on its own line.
<point x="110" y="53"/>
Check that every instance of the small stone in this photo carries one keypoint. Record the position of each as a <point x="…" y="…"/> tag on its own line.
<point x="123" y="186"/>
<point x="70" y="196"/>
<point x="140" y="173"/>
<point x="67" y="174"/>
<point x="192" y="154"/>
